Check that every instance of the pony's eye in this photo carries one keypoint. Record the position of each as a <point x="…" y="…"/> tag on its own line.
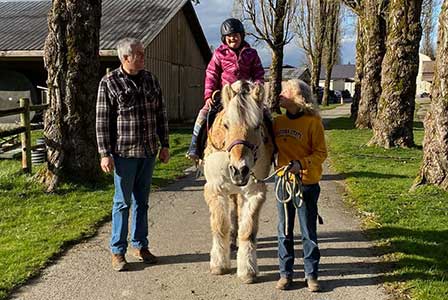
<point x="226" y="126"/>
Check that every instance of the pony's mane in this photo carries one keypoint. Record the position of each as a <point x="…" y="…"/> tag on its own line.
<point x="243" y="109"/>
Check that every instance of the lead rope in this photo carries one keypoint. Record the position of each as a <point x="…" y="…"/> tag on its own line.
<point x="292" y="187"/>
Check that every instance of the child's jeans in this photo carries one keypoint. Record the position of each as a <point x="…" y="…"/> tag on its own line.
<point x="307" y="214"/>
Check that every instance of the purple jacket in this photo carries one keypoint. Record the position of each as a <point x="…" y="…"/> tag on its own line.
<point x="226" y="67"/>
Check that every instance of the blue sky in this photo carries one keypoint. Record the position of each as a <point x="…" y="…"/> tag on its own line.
<point x="211" y="13"/>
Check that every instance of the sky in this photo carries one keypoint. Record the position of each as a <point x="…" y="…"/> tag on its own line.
<point x="212" y="13"/>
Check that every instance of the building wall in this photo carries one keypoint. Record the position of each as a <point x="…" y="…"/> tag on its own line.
<point x="175" y="58"/>
<point x="339" y="85"/>
<point x="421" y="85"/>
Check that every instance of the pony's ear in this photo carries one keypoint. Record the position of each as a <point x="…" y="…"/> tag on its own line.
<point x="227" y="94"/>
<point x="258" y="93"/>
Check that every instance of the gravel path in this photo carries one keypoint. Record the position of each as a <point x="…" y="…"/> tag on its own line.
<point x="180" y="236"/>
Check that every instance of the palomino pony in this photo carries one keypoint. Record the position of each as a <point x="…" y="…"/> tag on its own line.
<point x="239" y="150"/>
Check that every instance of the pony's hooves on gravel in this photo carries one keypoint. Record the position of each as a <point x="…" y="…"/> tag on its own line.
<point x="248" y="279"/>
<point x="219" y="271"/>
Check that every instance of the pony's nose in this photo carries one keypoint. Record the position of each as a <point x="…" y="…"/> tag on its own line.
<point x="243" y="171"/>
<point x="233" y="171"/>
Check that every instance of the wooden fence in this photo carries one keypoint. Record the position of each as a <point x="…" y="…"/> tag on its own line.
<point x="24" y="130"/>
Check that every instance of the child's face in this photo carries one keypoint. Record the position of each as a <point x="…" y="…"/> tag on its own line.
<point x="286" y="99"/>
<point x="234" y="40"/>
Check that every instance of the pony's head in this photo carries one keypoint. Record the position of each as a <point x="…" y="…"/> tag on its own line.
<point x="242" y="119"/>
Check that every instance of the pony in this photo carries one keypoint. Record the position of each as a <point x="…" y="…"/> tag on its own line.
<point x="238" y="152"/>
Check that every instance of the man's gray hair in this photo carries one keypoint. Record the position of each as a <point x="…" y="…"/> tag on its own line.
<point x="124" y="46"/>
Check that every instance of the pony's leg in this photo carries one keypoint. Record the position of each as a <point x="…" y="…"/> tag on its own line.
<point x="220" y="227"/>
<point x="233" y="221"/>
<point x="247" y="268"/>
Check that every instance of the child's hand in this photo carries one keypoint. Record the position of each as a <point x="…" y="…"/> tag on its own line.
<point x="294" y="166"/>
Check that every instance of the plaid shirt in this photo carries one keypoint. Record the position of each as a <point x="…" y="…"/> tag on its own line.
<point x="130" y="118"/>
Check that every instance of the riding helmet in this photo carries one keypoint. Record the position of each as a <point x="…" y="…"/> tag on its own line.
<point x="231" y="25"/>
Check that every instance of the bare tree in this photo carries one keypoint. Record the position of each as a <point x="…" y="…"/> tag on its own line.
<point x="271" y="20"/>
<point x="332" y="44"/>
<point x="310" y="29"/>
<point x="237" y="11"/>
<point x="72" y="61"/>
<point x="359" y="69"/>
<point x="371" y="14"/>
<point x="393" y="126"/>
<point x="434" y="168"/>
<point x="428" y="27"/>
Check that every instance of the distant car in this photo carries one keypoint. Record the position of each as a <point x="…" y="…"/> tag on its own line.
<point x="338" y="94"/>
<point x="346" y="94"/>
<point x="332" y="96"/>
<point x="425" y="95"/>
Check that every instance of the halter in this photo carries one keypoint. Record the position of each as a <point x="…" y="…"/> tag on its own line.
<point x="252" y="147"/>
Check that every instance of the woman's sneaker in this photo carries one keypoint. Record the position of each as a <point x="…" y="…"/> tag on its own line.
<point x="313" y="285"/>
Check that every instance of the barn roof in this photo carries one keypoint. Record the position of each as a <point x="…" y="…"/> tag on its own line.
<point x="23" y="25"/>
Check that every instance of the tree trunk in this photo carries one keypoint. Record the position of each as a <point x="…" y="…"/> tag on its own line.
<point x="315" y="73"/>
<point x="374" y="34"/>
<point x="434" y="168"/>
<point x="331" y="43"/>
<point x="359" y="72"/>
<point x="394" y="123"/>
<point x="275" y="84"/>
<point x="326" y="94"/>
<point x="72" y="61"/>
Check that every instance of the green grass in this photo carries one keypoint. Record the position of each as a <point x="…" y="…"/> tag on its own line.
<point x="410" y="228"/>
<point x="36" y="227"/>
<point x="329" y="106"/>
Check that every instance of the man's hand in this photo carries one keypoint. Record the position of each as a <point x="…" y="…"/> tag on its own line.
<point x="107" y="164"/>
<point x="164" y="155"/>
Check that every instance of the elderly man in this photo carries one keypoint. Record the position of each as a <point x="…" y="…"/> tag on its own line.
<point x="131" y="121"/>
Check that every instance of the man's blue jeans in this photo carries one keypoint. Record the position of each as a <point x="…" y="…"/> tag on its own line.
<point x="307" y="214"/>
<point x="132" y="179"/>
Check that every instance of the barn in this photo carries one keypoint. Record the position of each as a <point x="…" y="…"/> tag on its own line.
<point x="176" y="49"/>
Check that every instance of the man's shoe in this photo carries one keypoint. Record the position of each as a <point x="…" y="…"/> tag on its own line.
<point x="119" y="262"/>
<point x="313" y="285"/>
<point x="144" y="255"/>
<point x="284" y="283"/>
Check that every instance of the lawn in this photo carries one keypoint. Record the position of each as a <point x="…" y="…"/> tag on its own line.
<point x="36" y="227"/>
<point x="410" y="228"/>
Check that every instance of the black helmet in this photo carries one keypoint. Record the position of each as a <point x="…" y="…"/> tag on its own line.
<point x="231" y="25"/>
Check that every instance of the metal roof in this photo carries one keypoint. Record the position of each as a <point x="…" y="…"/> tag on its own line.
<point x="23" y="25"/>
<point x="288" y="72"/>
<point x="339" y="72"/>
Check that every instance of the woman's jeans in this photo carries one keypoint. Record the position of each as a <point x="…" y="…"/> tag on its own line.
<point x="307" y="214"/>
<point x="132" y="179"/>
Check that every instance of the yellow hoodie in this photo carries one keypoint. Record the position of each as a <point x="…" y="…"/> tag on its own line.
<point x="301" y="138"/>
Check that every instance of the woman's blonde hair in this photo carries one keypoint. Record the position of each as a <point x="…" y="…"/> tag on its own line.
<point x="302" y="96"/>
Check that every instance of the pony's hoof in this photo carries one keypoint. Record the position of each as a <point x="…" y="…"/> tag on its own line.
<point x="219" y="271"/>
<point x="248" y="279"/>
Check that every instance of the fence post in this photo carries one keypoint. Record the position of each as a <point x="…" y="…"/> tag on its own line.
<point x="26" y="136"/>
